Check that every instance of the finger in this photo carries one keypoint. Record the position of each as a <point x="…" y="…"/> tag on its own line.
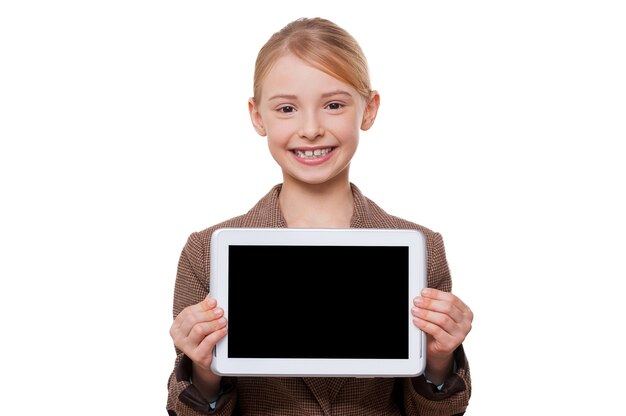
<point x="197" y="335"/>
<point x="192" y="316"/>
<point x="444" y="322"/>
<point x="206" y="304"/>
<point x="441" y="320"/>
<point x="442" y="340"/>
<point x="202" y="330"/>
<point x="431" y="293"/>
<point x="444" y="302"/>
<point x="205" y="348"/>
<point x="434" y="330"/>
<point x="439" y="307"/>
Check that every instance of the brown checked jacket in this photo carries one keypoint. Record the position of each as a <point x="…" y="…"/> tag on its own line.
<point x="287" y="396"/>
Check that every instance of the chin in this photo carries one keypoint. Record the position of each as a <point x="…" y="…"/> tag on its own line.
<point x="317" y="181"/>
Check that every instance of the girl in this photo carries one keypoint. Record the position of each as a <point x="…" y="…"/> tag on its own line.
<point x="312" y="96"/>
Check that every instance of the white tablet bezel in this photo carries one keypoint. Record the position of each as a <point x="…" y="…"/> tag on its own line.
<point x="307" y="367"/>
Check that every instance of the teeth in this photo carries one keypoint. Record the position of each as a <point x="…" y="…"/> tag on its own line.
<point x="312" y="154"/>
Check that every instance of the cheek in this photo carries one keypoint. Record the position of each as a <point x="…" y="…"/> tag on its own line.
<point x="277" y="132"/>
<point x="278" y="138"/>
<point x="345" y="130"/>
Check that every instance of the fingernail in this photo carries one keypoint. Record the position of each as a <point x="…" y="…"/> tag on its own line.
<point x="418" y="301"/>
<point x="218" y="311"/>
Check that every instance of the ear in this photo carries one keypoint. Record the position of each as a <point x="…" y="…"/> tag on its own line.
<point x="371" y="109"/>
<point x="255" y="116"/>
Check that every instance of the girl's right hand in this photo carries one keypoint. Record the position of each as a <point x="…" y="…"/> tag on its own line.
<point x="195" y="331"/>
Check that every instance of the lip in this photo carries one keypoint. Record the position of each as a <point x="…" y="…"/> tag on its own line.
<point x="316" y="161"/>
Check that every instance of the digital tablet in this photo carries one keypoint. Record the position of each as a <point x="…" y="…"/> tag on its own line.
<point x="318" y="302"/>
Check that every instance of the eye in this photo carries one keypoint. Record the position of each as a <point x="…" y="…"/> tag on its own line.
<point x="334" y="106"/>
<point x="286" y="109"/>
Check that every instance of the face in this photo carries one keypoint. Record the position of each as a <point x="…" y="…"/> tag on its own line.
<point x="311" y="120"/>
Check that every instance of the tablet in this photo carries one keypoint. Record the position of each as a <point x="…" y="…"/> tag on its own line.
<point x="318" y="302"/>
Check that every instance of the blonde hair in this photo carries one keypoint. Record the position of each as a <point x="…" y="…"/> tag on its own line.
<point x="321" y="44"/>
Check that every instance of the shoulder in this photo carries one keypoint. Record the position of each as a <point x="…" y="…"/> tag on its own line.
<point x="369" y="214"/>
<point x="434" y="240"/>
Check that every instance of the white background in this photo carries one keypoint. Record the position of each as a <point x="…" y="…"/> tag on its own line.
<point x="124" y="128"/>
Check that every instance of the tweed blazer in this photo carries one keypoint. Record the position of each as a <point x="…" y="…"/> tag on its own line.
<point x="287" y="396"/>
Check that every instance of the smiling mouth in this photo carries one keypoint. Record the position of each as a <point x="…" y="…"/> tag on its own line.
<point x="312" y="154"/>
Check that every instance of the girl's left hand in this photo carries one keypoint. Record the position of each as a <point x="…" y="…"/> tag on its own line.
<point x="445" y="319"/>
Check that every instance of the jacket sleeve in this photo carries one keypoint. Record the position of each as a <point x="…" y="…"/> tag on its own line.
<point x="422" y="398"/>
<point x="192" y="286"/>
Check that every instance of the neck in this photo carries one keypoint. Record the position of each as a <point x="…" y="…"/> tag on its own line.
<point x="327" y="205"/>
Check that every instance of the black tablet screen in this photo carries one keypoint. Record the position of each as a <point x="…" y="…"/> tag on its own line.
<point x="318" y="302"/>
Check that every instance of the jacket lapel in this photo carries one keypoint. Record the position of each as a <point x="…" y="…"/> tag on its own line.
<point x="362" y="215"/>
<point x="325" y="389"/>
<point x="333" y="386"/>
<point x="319" y="388"/>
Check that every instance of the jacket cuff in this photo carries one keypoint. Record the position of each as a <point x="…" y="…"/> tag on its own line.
<point x="192" y="397"/>
<point x="453" y="384"/>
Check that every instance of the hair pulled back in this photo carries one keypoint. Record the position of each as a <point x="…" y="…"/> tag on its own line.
<point x="321" y="44"/>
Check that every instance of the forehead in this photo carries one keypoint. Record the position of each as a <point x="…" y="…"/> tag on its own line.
<point x="292" y="75"/>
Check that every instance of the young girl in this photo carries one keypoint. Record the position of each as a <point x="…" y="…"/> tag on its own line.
<point x="312" y="96"/>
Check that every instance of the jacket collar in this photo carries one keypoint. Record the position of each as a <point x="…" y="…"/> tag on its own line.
<point x="268" y="210"/>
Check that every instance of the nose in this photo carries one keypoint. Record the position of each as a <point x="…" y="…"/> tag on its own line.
<point x="311" y="128"/>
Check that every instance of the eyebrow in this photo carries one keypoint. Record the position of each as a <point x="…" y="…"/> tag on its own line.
<point x="294" y="97"/>
<point x="284" y="96"/>
<point x="338" y="92"/>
